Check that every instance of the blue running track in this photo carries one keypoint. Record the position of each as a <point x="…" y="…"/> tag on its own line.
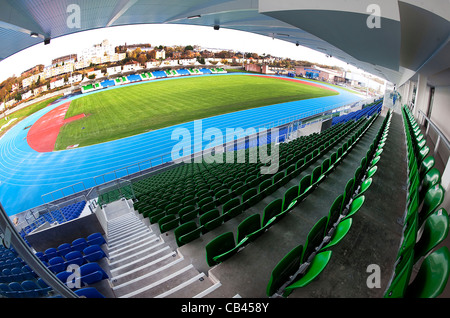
<point x="27" y="175"/>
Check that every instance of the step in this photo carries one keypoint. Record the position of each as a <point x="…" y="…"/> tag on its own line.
<point x="131" y="281"/>
<point x="127" y="249"/>
<point x="138" y="271"/>
<point x="141" y="258"/>
<point x="124" y="226"/>
<point x="196" y="287"/>
<point x="123" y="249"/>
<point x="117" y="224"/>
<point x="127" y="233"/>
<point x="166" y="283"/>
<point x="129" y="239"/>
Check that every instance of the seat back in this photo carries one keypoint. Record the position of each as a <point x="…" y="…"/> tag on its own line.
<point x="271" y="210"/>
<point x="250" y="225"/>
<point x="315" y="238"/>
<point x="184" y="229"/>
<point x="334" y="213"/>
<point x="433" y="199"/>
<point x="208" y="216"/>
<point x="218" y="246"/>
<point x="289" y="197"/>
<point x="286" y="267"/>
<point x="432" y="276"/>
<point x="435" y="230"/>
<point x="304" y="184"/>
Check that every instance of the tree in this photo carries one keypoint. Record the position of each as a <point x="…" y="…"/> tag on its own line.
<point x="142" y="59"/>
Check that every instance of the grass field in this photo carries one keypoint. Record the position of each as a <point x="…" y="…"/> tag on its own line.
<point x="136" y="109"/>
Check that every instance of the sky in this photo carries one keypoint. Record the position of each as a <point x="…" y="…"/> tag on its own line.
<point x="165" y="35"/>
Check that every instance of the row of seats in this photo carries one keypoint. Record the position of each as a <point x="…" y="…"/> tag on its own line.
<point x="149" y="75"/>
<point x="305" y="262"/>
<point x="425" y="226"/>
<point x="91" y="253"/>
<point x="78" y="244"/>
<point x="17" y="279"/>
<point x="248" y="189"/>
<point x="367" y="111"/>
<point x="62" y="215"/>
<point x="223" y="246"/>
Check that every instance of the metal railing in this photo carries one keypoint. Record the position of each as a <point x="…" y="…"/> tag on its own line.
<point x="440" y="136"/>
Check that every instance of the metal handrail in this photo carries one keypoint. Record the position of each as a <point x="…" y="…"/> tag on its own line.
<point x="441" y="136"/>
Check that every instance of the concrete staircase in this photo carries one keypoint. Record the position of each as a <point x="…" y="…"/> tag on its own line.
<point x="142" y="265"/>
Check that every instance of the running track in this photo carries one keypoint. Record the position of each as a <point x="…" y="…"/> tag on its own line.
<point x="26" y="174"/>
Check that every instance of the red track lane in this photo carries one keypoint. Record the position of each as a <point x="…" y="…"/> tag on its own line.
<point x="42" y="135"/>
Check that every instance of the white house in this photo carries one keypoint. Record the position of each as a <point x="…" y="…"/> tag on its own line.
<point x="131" y="67"/>
<point x="114" y="70"/>
<point x="152" y="64"/>
<point x="56" y="82"/>
<point x="75" y="78"/>
<point x="27" y="95"/>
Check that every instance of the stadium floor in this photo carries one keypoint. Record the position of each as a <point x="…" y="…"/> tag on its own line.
<point x="27" y="175"/>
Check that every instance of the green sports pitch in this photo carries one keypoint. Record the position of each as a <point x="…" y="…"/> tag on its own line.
<point x="135" y="109"/>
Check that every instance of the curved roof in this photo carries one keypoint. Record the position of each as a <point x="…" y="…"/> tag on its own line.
<point x="392" y="39"/>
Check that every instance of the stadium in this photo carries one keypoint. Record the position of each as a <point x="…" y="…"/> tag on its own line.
<point x="203" y="182"/>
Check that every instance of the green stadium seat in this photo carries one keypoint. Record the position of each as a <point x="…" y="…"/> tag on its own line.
<point x="315" y="238"/>
<point x="339" y="233"/>
<point x="365" y="185"/>
<point x="435" y="230"/>
<point x="249" y="227"/>
<point x="348" y="193"/>
<point x="168" y="222"/>
<point x="316" y="177"/>
<point x="304" y="188"/>
<point x="231" y="209"/>
<point x="250" y="198"/>
<point x="186" y="233"/>
<point x="188" y="213"/>
<point x="355" y="206"/>
<point x="401" y="277"/>
<point x="326" y="167"/>
<point x="409" y="237"/>
<point x="430" y="179"/>
<point x="426" y="165"/>
<point x="272" y="210"/>
<point x="223" y="196"/>
<point x="211" y="220"/>
<point x="318" y="264"/>
<point x="433" y="199"/>
<point x="264" y="187"/>
<point x="156" y="217"/>
<point x="239" y="188"/>
<point x="371" y="172"/>
<point x="334" y="214"/>
<point x="219" y="245"/>
<point x="286" y="267"/>
<point x="432" y="276"/>
<point x="289" y="199"/>
<point x="206" y="204"/>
